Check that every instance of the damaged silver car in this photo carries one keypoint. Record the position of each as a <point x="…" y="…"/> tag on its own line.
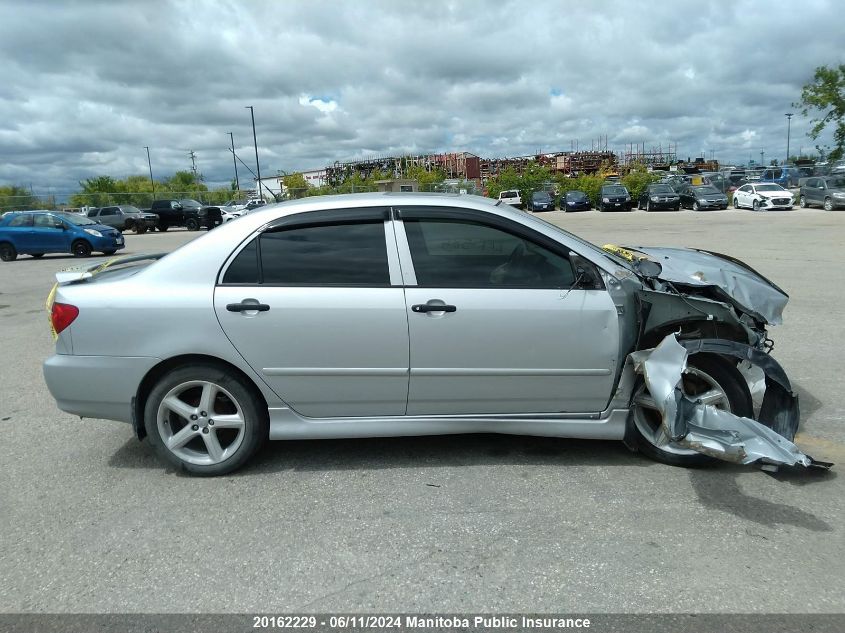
<point x="377" y="315"/>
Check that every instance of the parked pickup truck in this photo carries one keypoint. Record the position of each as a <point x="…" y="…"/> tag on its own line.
<point x="184" y="212"/>
<point x="124" y="218"/>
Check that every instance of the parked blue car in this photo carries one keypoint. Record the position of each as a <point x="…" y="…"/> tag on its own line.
<point x="786" y="177"/>
<point x="38" y="232"/>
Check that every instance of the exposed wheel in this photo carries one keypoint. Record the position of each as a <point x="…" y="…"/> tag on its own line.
<point x="708" y="378"/>
<point x="109" y="252"/>
<point x="828" y="204"/>
<point x="205" y="420"/>
<point x="80" y="248"/>
<point x="735" y="203"/>
<point x="192" y="224"/>
<point x="756" y="205"/>
<point x="162" y="226"/>
<point x="8" y="252"/>
<point x="695" y="206"/>
<point x="37" y="255"/>
<point x="803" y="202"/>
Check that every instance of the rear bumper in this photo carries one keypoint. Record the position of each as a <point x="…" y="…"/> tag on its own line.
<point x="96" y="386"/>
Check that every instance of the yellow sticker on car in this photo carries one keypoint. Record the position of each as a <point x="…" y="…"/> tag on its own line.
<point x="621" y="252"/>
<point x="50" y="299"/>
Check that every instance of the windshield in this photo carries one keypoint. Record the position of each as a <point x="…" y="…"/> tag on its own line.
<point x="836" y="183"/>
<point x="188" y="202"/>
<point x="575" y="195"/>
<point x="130" y="209"/>
<point x="614" y="191"/>
<point x="770" y="188"/>
<point x="706" y="190"/>
<point x="661" y="189"/>
<point x="79" y="220"/>
<point x="541" y="195"/>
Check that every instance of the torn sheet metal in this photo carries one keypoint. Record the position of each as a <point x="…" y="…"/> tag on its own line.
<point x="749" y="289"/>
<point x="704" y="428"/>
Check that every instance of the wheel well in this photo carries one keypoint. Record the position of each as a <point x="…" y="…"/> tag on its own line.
<point x="692" y="329"/>
<point x="139" y="402"/>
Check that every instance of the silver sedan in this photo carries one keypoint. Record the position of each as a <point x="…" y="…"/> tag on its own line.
<point x="409" y="314"/>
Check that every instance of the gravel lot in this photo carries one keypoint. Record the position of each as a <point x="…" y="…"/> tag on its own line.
<point x="92" y="522"/>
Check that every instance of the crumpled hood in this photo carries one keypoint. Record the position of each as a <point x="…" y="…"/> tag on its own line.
<point x="749" y="289"/>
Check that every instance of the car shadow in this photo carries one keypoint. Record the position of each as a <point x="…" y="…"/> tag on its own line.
<point x="410" y="452"/>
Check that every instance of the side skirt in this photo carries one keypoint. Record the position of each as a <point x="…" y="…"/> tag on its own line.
<point x="285" y="424"/>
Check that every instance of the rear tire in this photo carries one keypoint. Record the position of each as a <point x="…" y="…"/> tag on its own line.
<point x="8" y="253"/>
<point x="81" y="248"/>
<point x="162" y="227"/>
<point x="192" y="224"/>
<point x="198" y="446"/>
<point x="140" y="228"/>
<point x="708" y="373"/>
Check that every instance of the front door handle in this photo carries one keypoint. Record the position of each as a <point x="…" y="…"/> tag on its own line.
<point x="243" y="307"/>
<point x="428" y="307"/>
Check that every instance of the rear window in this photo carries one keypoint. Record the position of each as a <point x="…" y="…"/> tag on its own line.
<point x="323" y="255"/>
<point x="508" y="194"/>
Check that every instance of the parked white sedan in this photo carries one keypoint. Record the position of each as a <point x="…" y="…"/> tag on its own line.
<point x="763" y="197"/>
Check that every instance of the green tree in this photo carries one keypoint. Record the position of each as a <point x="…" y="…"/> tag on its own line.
<point x="637" y="179"/>
<point x="15" y="197"/>
<point x="428" y="180"/>
<point x="826" y="94"/>
<point x="295" y="185"/>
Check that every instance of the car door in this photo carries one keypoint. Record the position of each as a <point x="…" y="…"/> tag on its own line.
<point x="48" y="234"/>
<point x="110" y="216"/>
<point x="20" y="232"/>
<point x="496" y="322"/>
<point x="741" y="196"/>
<point x="329" y="331"/>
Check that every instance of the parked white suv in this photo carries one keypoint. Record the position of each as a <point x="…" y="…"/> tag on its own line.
<point x="511" y="197"/>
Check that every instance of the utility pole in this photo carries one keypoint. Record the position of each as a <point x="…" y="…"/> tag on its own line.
<point x="193" y="157"/>
<point x="762" y="154"/>
<point x="255" y="142"/>
<point x="788" y="116"/>
<point x="150" y="165"/>
<point x="235" y="163"/>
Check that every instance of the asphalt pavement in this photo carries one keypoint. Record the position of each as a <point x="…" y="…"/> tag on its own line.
<point x="91" y="521"/>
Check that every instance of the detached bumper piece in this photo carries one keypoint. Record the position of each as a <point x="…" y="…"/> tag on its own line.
<point x="716" y="432"/>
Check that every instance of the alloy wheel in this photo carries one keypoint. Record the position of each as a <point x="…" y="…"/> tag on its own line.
<point x="201" y="423"/>
<point x="697" y="386"/>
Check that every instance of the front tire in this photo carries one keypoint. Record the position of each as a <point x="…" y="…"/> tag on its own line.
<point x="709" y="377"/>
<point x="192" y="224"/>
<point x="140" y="228"/>
<point x="828" y="204"/>
<point x="8" y="253"/>
<point x="162" y="226"/>
<point x="756" y="205"/>
<point x="695" y="206"/>
<point x="81" y="248"/>
<point x="205" y="420"/>
<point x="802" y="202"/>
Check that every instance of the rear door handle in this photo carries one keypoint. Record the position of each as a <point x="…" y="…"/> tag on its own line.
<point x="428" y="307"/>
<point x="243" y="307"/>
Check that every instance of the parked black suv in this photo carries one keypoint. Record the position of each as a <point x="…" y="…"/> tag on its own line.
<point x="614" y="197"/>
<point x="185" y="212"/>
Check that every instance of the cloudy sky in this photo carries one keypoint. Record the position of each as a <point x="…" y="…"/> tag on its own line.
<point x="86" y="85"/>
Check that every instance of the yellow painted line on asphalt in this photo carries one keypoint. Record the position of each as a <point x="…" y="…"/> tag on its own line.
<point x="821" y="448"/>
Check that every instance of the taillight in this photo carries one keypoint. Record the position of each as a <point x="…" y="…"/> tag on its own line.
<point x="62" y="315"/>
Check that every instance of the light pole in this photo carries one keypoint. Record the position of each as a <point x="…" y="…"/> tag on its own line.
<point x="762" y="162"/>
<point x="788" y="116"/>
<point x="150" y="165"/>
<point x="235" y="163"/>
<point x="255" y="141"/>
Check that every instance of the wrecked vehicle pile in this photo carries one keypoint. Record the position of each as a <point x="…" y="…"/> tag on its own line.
<point x="737" y="302"/>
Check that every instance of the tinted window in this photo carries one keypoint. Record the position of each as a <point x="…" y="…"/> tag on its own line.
<point x="575" y="195"/>
<point x="541" y="196"/>
<point x="466" y="254"/>
<point x="108" y="211"/>
<point x="836" y="183"/>
<point x="706" y="190"/>
<point x="244" y="268"/>
<point x="661" y="189"/>
<point x="21" y="220"/>
<point x="614" y="191"/>
<point x="344" y="254"/>
<point x="508" y="194"/>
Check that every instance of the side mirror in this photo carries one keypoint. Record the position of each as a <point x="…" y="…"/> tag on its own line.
<point x="60" y="225"/>
<point x="586" y="271"/>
